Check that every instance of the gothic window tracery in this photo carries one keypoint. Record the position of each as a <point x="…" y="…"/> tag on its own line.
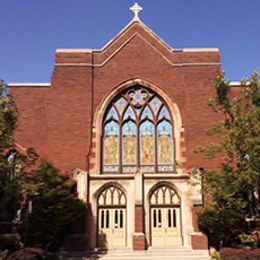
<point x="112" y="196"/>
<point x="164" y="195"/>
<point x="137" y="133"/>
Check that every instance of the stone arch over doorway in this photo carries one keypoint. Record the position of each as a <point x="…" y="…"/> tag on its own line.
<point x="165" y="215"/>
<point x="111" y="216"/>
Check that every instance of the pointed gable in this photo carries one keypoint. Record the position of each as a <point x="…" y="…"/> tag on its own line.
<point x="135" y="29"/>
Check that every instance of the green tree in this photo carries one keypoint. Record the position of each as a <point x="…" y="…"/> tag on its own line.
<point x="55" y="202"/>
<point x="55" y="206"/>
<point x="9" y="177"/>
<point x="13" y="165"/>
<point x="8" y="117"/>
<point x="235" y="187"/>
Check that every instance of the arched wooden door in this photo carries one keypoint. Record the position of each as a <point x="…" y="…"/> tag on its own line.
<point x="165" y="217"/>
<point x="112" y="218"/>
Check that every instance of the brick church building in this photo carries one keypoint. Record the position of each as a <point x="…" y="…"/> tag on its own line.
<point x="124" y="120"/>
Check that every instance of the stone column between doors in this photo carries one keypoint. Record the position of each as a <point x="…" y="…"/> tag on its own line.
<point x="139" y="239"/>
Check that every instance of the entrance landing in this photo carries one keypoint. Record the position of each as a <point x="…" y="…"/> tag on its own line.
<point x="175" y="253"/>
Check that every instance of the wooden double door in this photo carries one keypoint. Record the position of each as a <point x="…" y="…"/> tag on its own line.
<point x="165" y="226"/>
<point x="112" y="227"/>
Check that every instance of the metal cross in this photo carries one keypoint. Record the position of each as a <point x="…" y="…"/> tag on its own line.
<point x="136" y="9"/>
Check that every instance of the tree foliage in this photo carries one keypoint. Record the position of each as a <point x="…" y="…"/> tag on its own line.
<point x="55" y="206"/>
<point x="235" y="187"/>
<point x="55" y="202"/>
<point x="13" y="164"/>
<point x="8" y="117"/>
<point x="9" y="177"/>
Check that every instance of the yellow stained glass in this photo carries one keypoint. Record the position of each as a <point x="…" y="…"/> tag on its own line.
<point x="147" y="151"/>
<point x="111" y="150"/>
<point x="129" y="149"/>
<point x="165" y="149"/>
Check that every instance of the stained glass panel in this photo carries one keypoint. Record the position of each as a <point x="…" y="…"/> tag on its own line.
<point x="147" y="113"/>
<point x="112" y="114"/>
<point x="147" y="142"/>
<point x="111" y="143"/>
<point x="129" y="113"/>
<point x="120" y="104"/>
<point x="164" y="140"/>
<point x="165" y="168"/>
<point x="129" y="143"/>
<point x="138" y="97"/>
<point x="155" y="104"/>
<point x="129" y="169"/>
<point x="147" y="168"/>
<point x="164" y="112"/>
<point x="112" y="169"/>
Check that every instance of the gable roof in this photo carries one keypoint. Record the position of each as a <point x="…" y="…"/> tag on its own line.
<point x="133" y="22"/>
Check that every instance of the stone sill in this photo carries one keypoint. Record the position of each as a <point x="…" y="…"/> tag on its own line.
<point x="145" y="176"/>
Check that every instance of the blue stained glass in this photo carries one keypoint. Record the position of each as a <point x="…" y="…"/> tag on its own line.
<point x="147" y="113"/>
<point x="112" y="129"/>
<point x="155" y="103"/>
<point x="129" y="128"/>
<point x="164" y="128"/>
<point x="112" y="113"/>
<point x="164" y="112"/>
<point x="146" y="128"/>
<point x="120" y="104"/>
<point x="129" y="113"/>
<point x="138" y="96"/>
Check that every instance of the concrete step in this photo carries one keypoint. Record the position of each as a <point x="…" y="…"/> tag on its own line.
<point x="151" y="254"/>
<point x="170" y="257"/>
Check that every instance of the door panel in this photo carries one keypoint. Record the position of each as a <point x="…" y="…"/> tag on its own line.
<point x="119" y="228"/>
<point x="111" y="227"/>
<point x="165" y="226"/>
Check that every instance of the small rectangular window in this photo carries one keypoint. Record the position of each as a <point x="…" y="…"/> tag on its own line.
<point x="121" y="219"/>
<point x="159" y="218"/>
<point x="116" y="218"/>
<point x="154" y="218"/>
<point x="102" y="219"/>
<point x="107" y="219"/>
<point x="169" y="218"/>
<point x="174" y="218"/>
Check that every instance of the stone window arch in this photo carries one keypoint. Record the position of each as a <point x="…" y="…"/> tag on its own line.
<point x="164" y="195"/>
<point x="111" y="196"/>
<point x="137" y="133"/>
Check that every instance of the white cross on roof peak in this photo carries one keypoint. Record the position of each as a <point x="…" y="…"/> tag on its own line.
<point x="136" y="9"/>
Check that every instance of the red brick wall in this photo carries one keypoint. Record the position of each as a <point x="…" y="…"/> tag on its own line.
<point x="139" y="218"/>
<point x="199" y="242"/>
<point x="194" y="211"/>
<point x="139" y="242"/>
<point x="59" y="118"/>
<point x="32" y="130"/>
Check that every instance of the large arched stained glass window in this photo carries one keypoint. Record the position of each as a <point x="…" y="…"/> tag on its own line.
<point x="137" y="133"/>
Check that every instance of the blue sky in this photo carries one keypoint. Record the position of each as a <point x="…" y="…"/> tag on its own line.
<point x="31" y="31"/>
